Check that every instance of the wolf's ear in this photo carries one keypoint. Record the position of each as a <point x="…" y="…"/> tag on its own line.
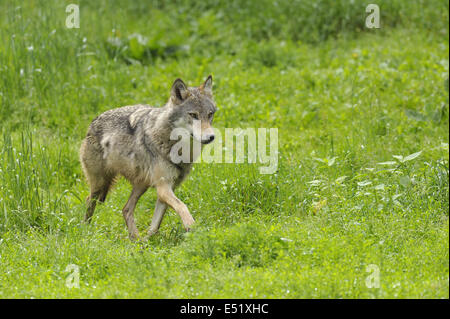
<point x="207" y="85"/>
<point x="179" y="90"/>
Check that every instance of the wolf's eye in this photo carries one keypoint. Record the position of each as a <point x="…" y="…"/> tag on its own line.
<point x="194" y="116"/>
<point x="210" y="114"/>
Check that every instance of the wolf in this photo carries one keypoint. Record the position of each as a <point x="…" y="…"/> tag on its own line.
<point x="135" y="142"/>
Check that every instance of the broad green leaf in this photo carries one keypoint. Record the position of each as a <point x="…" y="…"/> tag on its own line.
<point x="339" y="180"/>
<point x="331" y="161"/>
<point x="387" y="163"/>
<point x="315" y="182"/>
<point x="137" y="46"/>
<point x="412" y="156"/>
<point x="364" y="183"/>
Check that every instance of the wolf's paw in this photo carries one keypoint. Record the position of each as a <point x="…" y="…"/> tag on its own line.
<point x="191" y="228"/>
<point x="150" y="233"/>
<point x="189" y="223"/>
<point x="133" y="236"/>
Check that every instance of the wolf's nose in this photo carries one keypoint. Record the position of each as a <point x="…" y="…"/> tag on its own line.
<point x="208" y="139"/>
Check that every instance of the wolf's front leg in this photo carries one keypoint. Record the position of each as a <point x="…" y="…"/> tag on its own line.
<point x="166" y="195"/>
<point x="128" y="211"/>
<point x="160" y="210"/>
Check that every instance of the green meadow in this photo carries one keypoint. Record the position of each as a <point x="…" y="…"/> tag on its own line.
<point x="357" y="208"/>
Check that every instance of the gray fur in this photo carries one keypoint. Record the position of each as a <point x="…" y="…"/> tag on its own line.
<point x="134" y="142"/>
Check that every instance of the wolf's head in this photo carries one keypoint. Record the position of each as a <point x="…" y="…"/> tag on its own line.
<point x="193" y="106"/>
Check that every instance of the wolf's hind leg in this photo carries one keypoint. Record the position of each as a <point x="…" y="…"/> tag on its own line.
<point x="98" y="193"/>
<point x="160" y="210"/>
<point x="128" y="211"/>
<point x="100" y="180"/>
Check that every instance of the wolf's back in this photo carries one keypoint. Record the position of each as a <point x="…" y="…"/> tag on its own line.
<point x="115" y="121"/>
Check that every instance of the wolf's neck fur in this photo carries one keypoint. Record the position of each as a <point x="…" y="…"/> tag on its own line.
<point x="157" y="133"/>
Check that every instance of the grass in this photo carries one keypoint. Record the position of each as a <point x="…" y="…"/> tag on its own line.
<point x="363" y="166"/>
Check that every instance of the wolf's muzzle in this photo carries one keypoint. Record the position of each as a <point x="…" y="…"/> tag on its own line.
<point x="209" y="139"/>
